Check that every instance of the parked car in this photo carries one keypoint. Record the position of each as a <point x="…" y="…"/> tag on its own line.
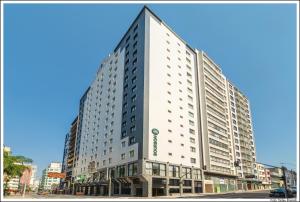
<point x="280" y="192"/>
<point x="294" y="190"/>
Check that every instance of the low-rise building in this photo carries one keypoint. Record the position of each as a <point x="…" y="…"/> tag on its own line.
<point x="264" y="177"/>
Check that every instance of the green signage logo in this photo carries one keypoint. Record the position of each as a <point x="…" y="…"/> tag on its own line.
<point x="155" y="133"/>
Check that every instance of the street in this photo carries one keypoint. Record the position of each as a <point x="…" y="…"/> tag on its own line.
<point x="264" y="194"/>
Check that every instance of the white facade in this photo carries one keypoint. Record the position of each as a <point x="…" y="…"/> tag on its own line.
<point x="101" y="124"/>
<point x="161" y="110"/>
<point x="48" y="182"/>
<point x="172" y="98"/>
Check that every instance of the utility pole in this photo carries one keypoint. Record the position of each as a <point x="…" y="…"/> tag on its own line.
<point x="284" y="181"/>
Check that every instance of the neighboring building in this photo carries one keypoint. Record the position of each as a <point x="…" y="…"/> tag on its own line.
<point x="69" y="156"/>
<point x="33" y="176"/>
<point x="242" y="138"/>
<point x="291" y="178"/>
<point x="160" y="118"/>
<point x="276" y="177"/>
<point x="35" y="185"/>
<point x="217" y="146"/>
<point x="13" y="184"/>
<point x="264" y="176"/>
<point x="47" y="183"/>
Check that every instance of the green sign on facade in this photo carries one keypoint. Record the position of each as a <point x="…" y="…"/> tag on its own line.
<point x="155" y="133"/>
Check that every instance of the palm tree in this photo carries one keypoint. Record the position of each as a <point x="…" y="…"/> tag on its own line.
<point x="13" y="166"/>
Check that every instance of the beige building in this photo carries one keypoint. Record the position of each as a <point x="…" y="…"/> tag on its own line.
<point x="264" y="176"/>
<point x="242" y="138"/>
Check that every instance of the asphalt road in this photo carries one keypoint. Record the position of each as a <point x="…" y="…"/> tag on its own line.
<point x="237" y="195"/>
<point x="264" y="194"/>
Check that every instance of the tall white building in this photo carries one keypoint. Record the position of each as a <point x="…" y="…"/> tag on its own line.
<point x="47" y="183"/>
<point x="155" y="120"/>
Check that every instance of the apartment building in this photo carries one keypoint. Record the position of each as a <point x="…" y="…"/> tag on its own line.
<point x="156" y="120"/>
<point x="243" y="138"/>
<point x="69" y="157"/>
<point x="218" y="151"/>
<point x="47" y="183"/>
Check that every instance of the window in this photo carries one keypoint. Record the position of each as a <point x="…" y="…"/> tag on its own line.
<point x="170" y="154"/>
<point x="193" y="160"/>
<point x="173" y="171"/>
<point x="190" y="106"/>
<point x="135" y="36"/>
<point x="192" y="124"/>
<point x="123" y="156"/>
<point x="124" y="133"/>
<point x="133" y="108"/>
<point x="127" y="38"/>
<point x="132" y="140"/>
<point x="132" y="128"/>
<point x="170" y="141"/>
<point x="110" y="149"/>
<point x="121" y="171"/>
<point x="186" y="173"/>
<point x="193" y="149"/>
<point x="133" y="70"/>
<point x="132" y="119"/>
<point x="133" y="89"/>
<point x="123" y="144"/>
<point x="192" y="140"/>
<point x="132" y="169"/>
<point x="133" y="98"/>
<point x="134" y="61"/>
<point x="191" y="114"/>
<point x="134" y="45"/>
<point x="131" y="153"/>
<point x="192" y="131"/>
<point x="188" y="60"/>
<point x="188" y="53"/>
<point x="135" y="28"/>
<point x="133" y="80"/>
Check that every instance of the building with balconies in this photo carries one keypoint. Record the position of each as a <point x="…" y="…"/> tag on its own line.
<point x="157" y="120"/>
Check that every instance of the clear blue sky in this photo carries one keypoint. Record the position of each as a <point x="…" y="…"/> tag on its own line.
<point x="52" y="52"/>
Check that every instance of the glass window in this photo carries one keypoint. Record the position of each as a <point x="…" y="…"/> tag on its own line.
<point x="132" y="169"/>
<point x="155" y="169"/>
<point x="173" y="171"/>
<point x="131" y="153"/>
<point x="162" y="170"/>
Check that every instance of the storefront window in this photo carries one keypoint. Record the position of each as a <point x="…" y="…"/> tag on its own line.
<point x="186" y="172"/>
<point x="149" y="168"/>
<point x="132" y="169"/>
<point x="121" y="171"/>
<point x="174" y="171"/>
<point x="155" y="169"/>
<point x="197" y="174"/>
<point x="162" y="171"/>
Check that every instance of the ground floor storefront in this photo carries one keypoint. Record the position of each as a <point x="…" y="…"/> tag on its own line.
<point x="215" y="183"/>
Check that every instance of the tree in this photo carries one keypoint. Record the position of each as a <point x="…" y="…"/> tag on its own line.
<point x="13" y="166"/>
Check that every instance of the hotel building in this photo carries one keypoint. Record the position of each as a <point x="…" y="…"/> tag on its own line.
<point x="156" y="120"/>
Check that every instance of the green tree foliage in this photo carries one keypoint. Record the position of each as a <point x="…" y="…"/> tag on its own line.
<point x="13" y="166"/>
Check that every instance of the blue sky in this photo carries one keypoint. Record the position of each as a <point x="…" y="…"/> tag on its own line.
<point x="52" y="52"/>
